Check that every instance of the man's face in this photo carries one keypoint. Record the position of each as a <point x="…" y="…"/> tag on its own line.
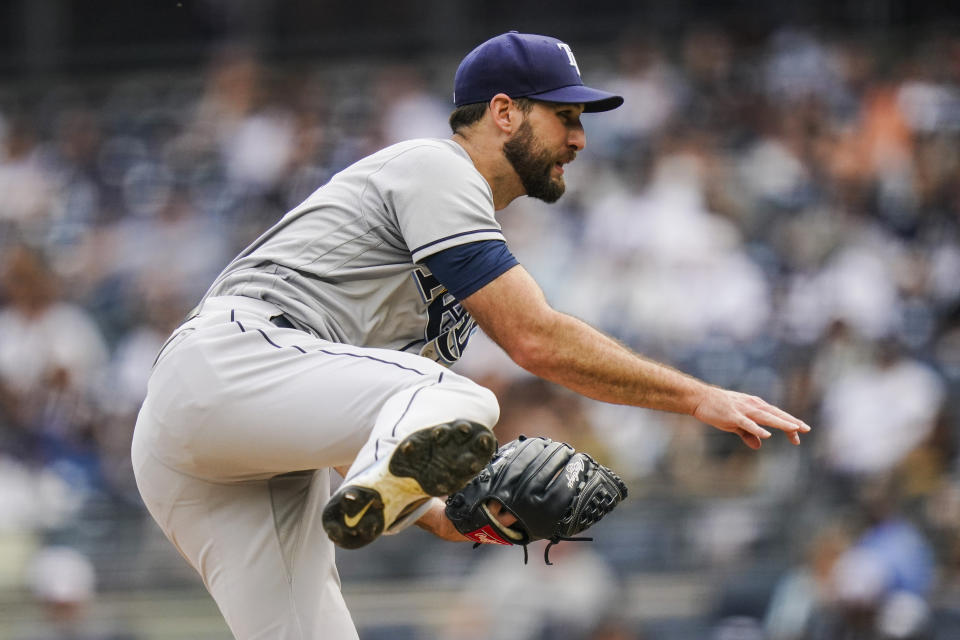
<point x="549" y="137"/>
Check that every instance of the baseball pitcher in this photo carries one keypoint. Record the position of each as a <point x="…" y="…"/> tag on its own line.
<point x="325" y="344"/>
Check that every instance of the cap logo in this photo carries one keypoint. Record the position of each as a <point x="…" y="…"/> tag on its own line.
<point x="573" y="61"/>
<point x="527" y="65"/>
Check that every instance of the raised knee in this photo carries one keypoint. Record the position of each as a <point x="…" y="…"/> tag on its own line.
<point x="489" y="407"/>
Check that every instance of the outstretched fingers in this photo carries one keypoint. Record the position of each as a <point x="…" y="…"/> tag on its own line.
<point x="749" y="439"/>
<point x="751" y="433"/>
<point x="771" y="420"/>
<point x="776" y="418"/>
<point x="802" y="426"/>
<point x="746" y="415"/>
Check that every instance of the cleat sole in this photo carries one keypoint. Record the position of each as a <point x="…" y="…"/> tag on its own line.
<point x="444" y="458"/>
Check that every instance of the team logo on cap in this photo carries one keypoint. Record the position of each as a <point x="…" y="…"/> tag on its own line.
<point x="573" y="61"/>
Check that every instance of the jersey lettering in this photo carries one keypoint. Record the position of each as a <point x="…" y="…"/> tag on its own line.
<point x="573" y="61"/>
<point x="427" y="284"/>
<point x="449" y="326"/>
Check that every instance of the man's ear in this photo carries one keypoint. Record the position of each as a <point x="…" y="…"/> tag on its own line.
<point x="505" y="114"/>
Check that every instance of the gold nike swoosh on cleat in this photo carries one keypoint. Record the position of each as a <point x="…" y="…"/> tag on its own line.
<point x="352" y="521"/>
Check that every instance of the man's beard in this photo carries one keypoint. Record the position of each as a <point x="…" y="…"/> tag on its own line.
<point x="533" y="165"/>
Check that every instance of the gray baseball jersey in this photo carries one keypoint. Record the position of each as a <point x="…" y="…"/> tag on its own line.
<point x="344" y="264"/>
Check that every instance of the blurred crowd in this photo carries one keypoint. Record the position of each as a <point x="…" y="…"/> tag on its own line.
<point x="777" y="215"/>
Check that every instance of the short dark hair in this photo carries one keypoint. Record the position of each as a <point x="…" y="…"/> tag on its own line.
<point x="469" y="114"/>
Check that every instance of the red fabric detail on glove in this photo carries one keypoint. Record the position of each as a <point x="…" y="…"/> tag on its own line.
<point x="486" y="535"/>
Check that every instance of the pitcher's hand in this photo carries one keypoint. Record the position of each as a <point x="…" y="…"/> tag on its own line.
<point x="744" y="414"/>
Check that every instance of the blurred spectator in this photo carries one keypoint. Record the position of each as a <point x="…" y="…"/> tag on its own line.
<point x="171" y="249"/>
<point x="881" y="584"/>
<point x="901" y="546"/>
<point x="841" y="350"/>
<point x="32" y="500"/>
<point x="867" y="607"/>
<point x="504" y="599"/>
<point x="51" y="354"/>
<point x="677" y="256"/>
<point x="64" y="583"/>
<point x="805" y="589"/>
<point x="647" y="79"/>
<point x="875" y="415"/>
<point x="28" y="188"/>
<point x="411" y="110"/>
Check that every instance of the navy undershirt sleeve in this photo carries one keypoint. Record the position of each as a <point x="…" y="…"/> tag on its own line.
<point x="466" y="268"/>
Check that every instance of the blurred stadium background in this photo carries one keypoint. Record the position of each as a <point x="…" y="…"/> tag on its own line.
<point x="775" y="209"/>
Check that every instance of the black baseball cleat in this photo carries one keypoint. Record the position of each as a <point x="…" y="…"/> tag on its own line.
<point x="435" y="461"/>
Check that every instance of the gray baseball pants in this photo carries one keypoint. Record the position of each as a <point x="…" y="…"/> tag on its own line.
<point x="233" y="443"/>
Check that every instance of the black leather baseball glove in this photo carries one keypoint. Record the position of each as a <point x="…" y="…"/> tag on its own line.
<point x="554" y="492"/>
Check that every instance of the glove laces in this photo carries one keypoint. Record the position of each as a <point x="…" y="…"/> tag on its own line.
<point x="555" y="540"/>
<point x="546" y="552"/>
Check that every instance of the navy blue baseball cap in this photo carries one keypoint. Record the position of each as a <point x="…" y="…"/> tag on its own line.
<point x="525" y="65"/>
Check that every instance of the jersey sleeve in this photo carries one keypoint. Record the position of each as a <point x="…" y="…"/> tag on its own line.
<point x="439" y="198"/>
<point x="467" y="268"/>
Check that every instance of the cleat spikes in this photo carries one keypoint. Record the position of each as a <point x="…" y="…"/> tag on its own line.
<point x="445" y="457"/>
